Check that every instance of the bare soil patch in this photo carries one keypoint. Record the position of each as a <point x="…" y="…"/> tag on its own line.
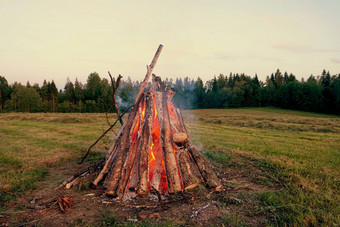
<point x="237" y="204"/>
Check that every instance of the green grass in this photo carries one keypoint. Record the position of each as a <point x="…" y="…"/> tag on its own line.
<point x="303" y="164"/>
<point x="297" y="152"/>
<point x="33" y="143"/>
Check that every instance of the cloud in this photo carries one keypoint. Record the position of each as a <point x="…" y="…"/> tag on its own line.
<point x="336" y="60"/>
<point x="299" y="48"/>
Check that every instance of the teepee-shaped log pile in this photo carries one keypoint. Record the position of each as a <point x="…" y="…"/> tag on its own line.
<point x="152" y="150"/>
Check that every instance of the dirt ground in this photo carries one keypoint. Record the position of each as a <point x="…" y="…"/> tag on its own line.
<point x="236" y="205"/>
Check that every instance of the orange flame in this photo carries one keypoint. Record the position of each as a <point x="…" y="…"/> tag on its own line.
<point x="156" y="162"/>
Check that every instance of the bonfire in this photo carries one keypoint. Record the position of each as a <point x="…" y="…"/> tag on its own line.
<point x="152" y="152"/>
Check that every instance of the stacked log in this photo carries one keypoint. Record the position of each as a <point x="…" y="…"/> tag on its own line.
<point x="152" y="150"/>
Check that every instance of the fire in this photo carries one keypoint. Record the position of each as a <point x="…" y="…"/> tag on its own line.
<point x="155" y="110"/>
<point x="156" y="163"/>
<point x="157" y="175"/>
<point x="152" y="155"/>
<point x="143" y="112"/>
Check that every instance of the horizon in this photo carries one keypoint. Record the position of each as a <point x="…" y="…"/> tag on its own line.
<point x="55" y="40"/>
<point x="173" y="79"/>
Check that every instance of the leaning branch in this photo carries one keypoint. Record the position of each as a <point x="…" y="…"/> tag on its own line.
<point x="115" y="86"/>
<point x="149" y="69"/>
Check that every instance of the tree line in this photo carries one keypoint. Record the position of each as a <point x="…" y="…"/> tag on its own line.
<point x="316" y="94"/>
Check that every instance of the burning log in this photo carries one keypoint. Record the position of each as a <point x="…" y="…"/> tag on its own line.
<point x="133" y="154"/>
<point x="152" y="152"/>
<point x="144" y="150"/>
<point x="114" y="176"/>
<point x="171" y="167"/>
<point x="157" y="151"/>
<point x="190" y="174"/>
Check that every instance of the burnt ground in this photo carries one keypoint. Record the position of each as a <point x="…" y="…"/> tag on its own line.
<point x="239" y="203"/>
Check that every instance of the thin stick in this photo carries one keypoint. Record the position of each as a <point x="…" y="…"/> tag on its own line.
<point x="81" y="173"/>
<point x="115" y="88"/>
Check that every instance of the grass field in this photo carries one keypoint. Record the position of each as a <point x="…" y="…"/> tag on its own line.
<point x="287" y="160"/>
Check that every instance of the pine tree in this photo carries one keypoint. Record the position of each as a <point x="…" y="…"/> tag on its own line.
<point x="78" y="91"/>
<point x="199" y="93"/>
<point x="69" y="91"/>
<point x="53" y="95"/>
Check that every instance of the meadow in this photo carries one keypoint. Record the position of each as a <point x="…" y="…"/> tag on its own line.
<point x="278" y="167"/>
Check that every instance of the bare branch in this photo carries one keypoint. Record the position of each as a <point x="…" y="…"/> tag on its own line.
<point x="115" y="86"/>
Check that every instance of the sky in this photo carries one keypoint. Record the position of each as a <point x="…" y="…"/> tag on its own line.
<point x="56" y="39"/>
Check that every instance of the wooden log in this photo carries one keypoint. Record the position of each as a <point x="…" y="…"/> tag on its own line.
<point x="78" y="179"/>
<point x="157" y="170"/>
<point x="135" y="133"/>
<point x="171" y="167"/>
<point x="143" y="186"/>
<point x="174" y="120"/>
<point x="159" y="107"/>
<point x="155" y="82"/>
<point x="134" y="178"/>
<point x="172" y="111"/>
<point x="65" y="183"/>
<point x="180" y="120"/>
<point x="157" y="147"/>
<point x="72" y="183"/>
<point x="117" y="157"/>
<point x="144" y="123"/>
<point x="148" y="73"/>
<point x="180" y="139"/>
<point x="127" y="172"/>
<point x="189" y="171"/>
<point x="115" y="174"/>
<point x="205" y="169"/>
<point x="82" y="173"/>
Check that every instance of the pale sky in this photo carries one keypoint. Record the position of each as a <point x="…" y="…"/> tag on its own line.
<point x="56" y="39"/>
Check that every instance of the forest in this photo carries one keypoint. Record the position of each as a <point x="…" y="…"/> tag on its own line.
<point x="316" y="94"/>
